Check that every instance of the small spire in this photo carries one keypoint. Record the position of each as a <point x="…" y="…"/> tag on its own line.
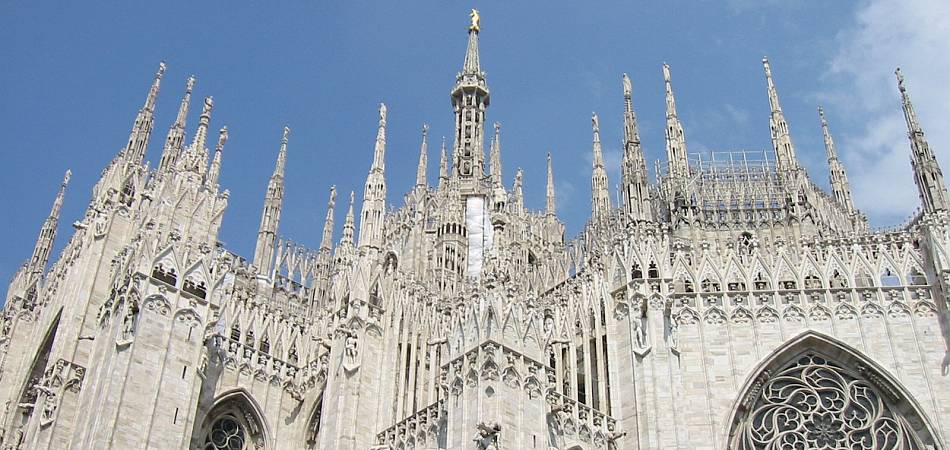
<point x="675" y="137"/>
<point x="282" y="154"/>
<point x="839" y="179"/>
<point x="549" y="207"/>
<point x="176" y="134"/>
<point x="598" y="151"/>
<point x="910" y="114"/>
<point x="215" y="172"/>
<point x="927" y="172"/>
<point x="144" y="121"/>
<point x="636" y="200"/>
<point x="327" y="241"/>
<point x="443" y="165"/>
<point x="349" y="224"/>
<point x="196" y="156"/>
<point x="270" y="216"/>
<point x="785" y="158"/>
<point x="44" y="242"/>
<point x="494" y="161"/>
<point x="153" y="91"/>
<point x="600" y="186"/>
<point x="423" y="157"/>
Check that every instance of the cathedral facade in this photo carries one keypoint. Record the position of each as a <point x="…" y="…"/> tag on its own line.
<point x="729" y="304"/>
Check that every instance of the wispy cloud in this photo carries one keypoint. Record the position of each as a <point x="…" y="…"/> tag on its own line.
<point x="912" y="34"/>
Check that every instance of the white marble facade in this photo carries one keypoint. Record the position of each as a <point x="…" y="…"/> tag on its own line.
<point x="730" y="304"/>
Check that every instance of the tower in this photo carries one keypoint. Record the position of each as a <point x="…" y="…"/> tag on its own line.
<point x="470" y="100"/>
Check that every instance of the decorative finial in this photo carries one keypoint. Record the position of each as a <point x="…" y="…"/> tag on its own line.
<point x="209" y="103"/>
<point x="475" y="20"/>
<point x="425" y="129"/>
<point x="497" y="127"/>
<point x="67" y="176"/>
<point x="595" y="122"/>
<point x="286" y="135"/>
<point x="900" y="79"/>
<point x="821" y="113"/>
<point x="627" y="86"/>
<point x="161" y="69"/>
<point x="191" y="83"/>
<point x="382" y="114"/>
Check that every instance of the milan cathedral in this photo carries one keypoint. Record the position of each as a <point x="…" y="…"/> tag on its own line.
<point x="729" y="304"/>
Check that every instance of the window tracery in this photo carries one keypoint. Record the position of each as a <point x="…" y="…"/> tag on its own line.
<point x="816" y="403"/>
<point x="226" y="434"/>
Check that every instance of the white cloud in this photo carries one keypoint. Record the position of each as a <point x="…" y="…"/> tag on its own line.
<point x="913" y="35"/>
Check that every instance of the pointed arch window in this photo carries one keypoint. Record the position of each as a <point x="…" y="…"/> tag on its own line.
<point x="813" y="400"/>
<point x="915" y="277"/>
<point x="889" y="278"/>
<point x="226" y="433"/>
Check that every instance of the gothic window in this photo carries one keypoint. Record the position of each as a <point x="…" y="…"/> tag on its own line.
<point x="127" y="194"/>
<point x="249" y="338"/>
<point x="812" y="282"/>
<point x="652" y="271"/>
<point x="915" y="277"/>
<point x="736" y="286"/>
<point x="168" y="276"/>
<point x="815" y="402"/>
<point x="788" y="284"/>
<point x="635" y="272"/>
<point x="838" y="281"/>
<point x="236" y="333"/>
<point x="197" y="289"/>
<point x="889" y="278"/>
<point x="710" y="285"/>
<point x="863" y="279"/>
<point x="226" y="434"/>
<point x="265" y="345"/>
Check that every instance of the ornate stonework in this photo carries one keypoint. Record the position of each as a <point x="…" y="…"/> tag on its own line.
<point x="730" y="304"/>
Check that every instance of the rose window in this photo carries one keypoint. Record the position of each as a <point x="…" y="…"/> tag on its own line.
<point x="226" y="434"/>
<point x="814" y="403"/>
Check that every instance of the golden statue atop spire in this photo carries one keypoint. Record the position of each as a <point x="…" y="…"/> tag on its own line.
<point x="475" y="20"/>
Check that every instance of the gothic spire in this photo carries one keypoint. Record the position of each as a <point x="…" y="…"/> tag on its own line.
<point x="785" y="159"/>
<point x="927" y="172"/>
<point x="349" y="223"/>
<point x="839" y="179"/>
<point x="675" y="138"/>
<point x="423" y="157"/>
<point x="270" y="216"/>
<point x="176" y="134"/>
<point x="215" y="172"/>
<point x="327" y="241"/>
<point x="470" y="99"/>
<point x="549" y="205"/>
<point x="196" y="156"/>
<point x="374" y="191"/>
<point x="635" y="183"/>
<point x="600" y="187"/>
<point x="494" y="161"/>
<point x="443" y="166"/>
<point x="44" y="242"/>
<point x="144" y="121"/>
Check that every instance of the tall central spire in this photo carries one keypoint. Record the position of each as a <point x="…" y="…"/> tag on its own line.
<point x="469" y="100"/>
<point x="270" y="217"/>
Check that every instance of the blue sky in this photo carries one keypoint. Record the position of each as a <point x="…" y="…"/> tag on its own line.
<point x="75" y="73"/>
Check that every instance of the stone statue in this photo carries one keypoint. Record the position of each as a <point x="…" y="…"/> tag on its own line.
<point x="475" y="20"/>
